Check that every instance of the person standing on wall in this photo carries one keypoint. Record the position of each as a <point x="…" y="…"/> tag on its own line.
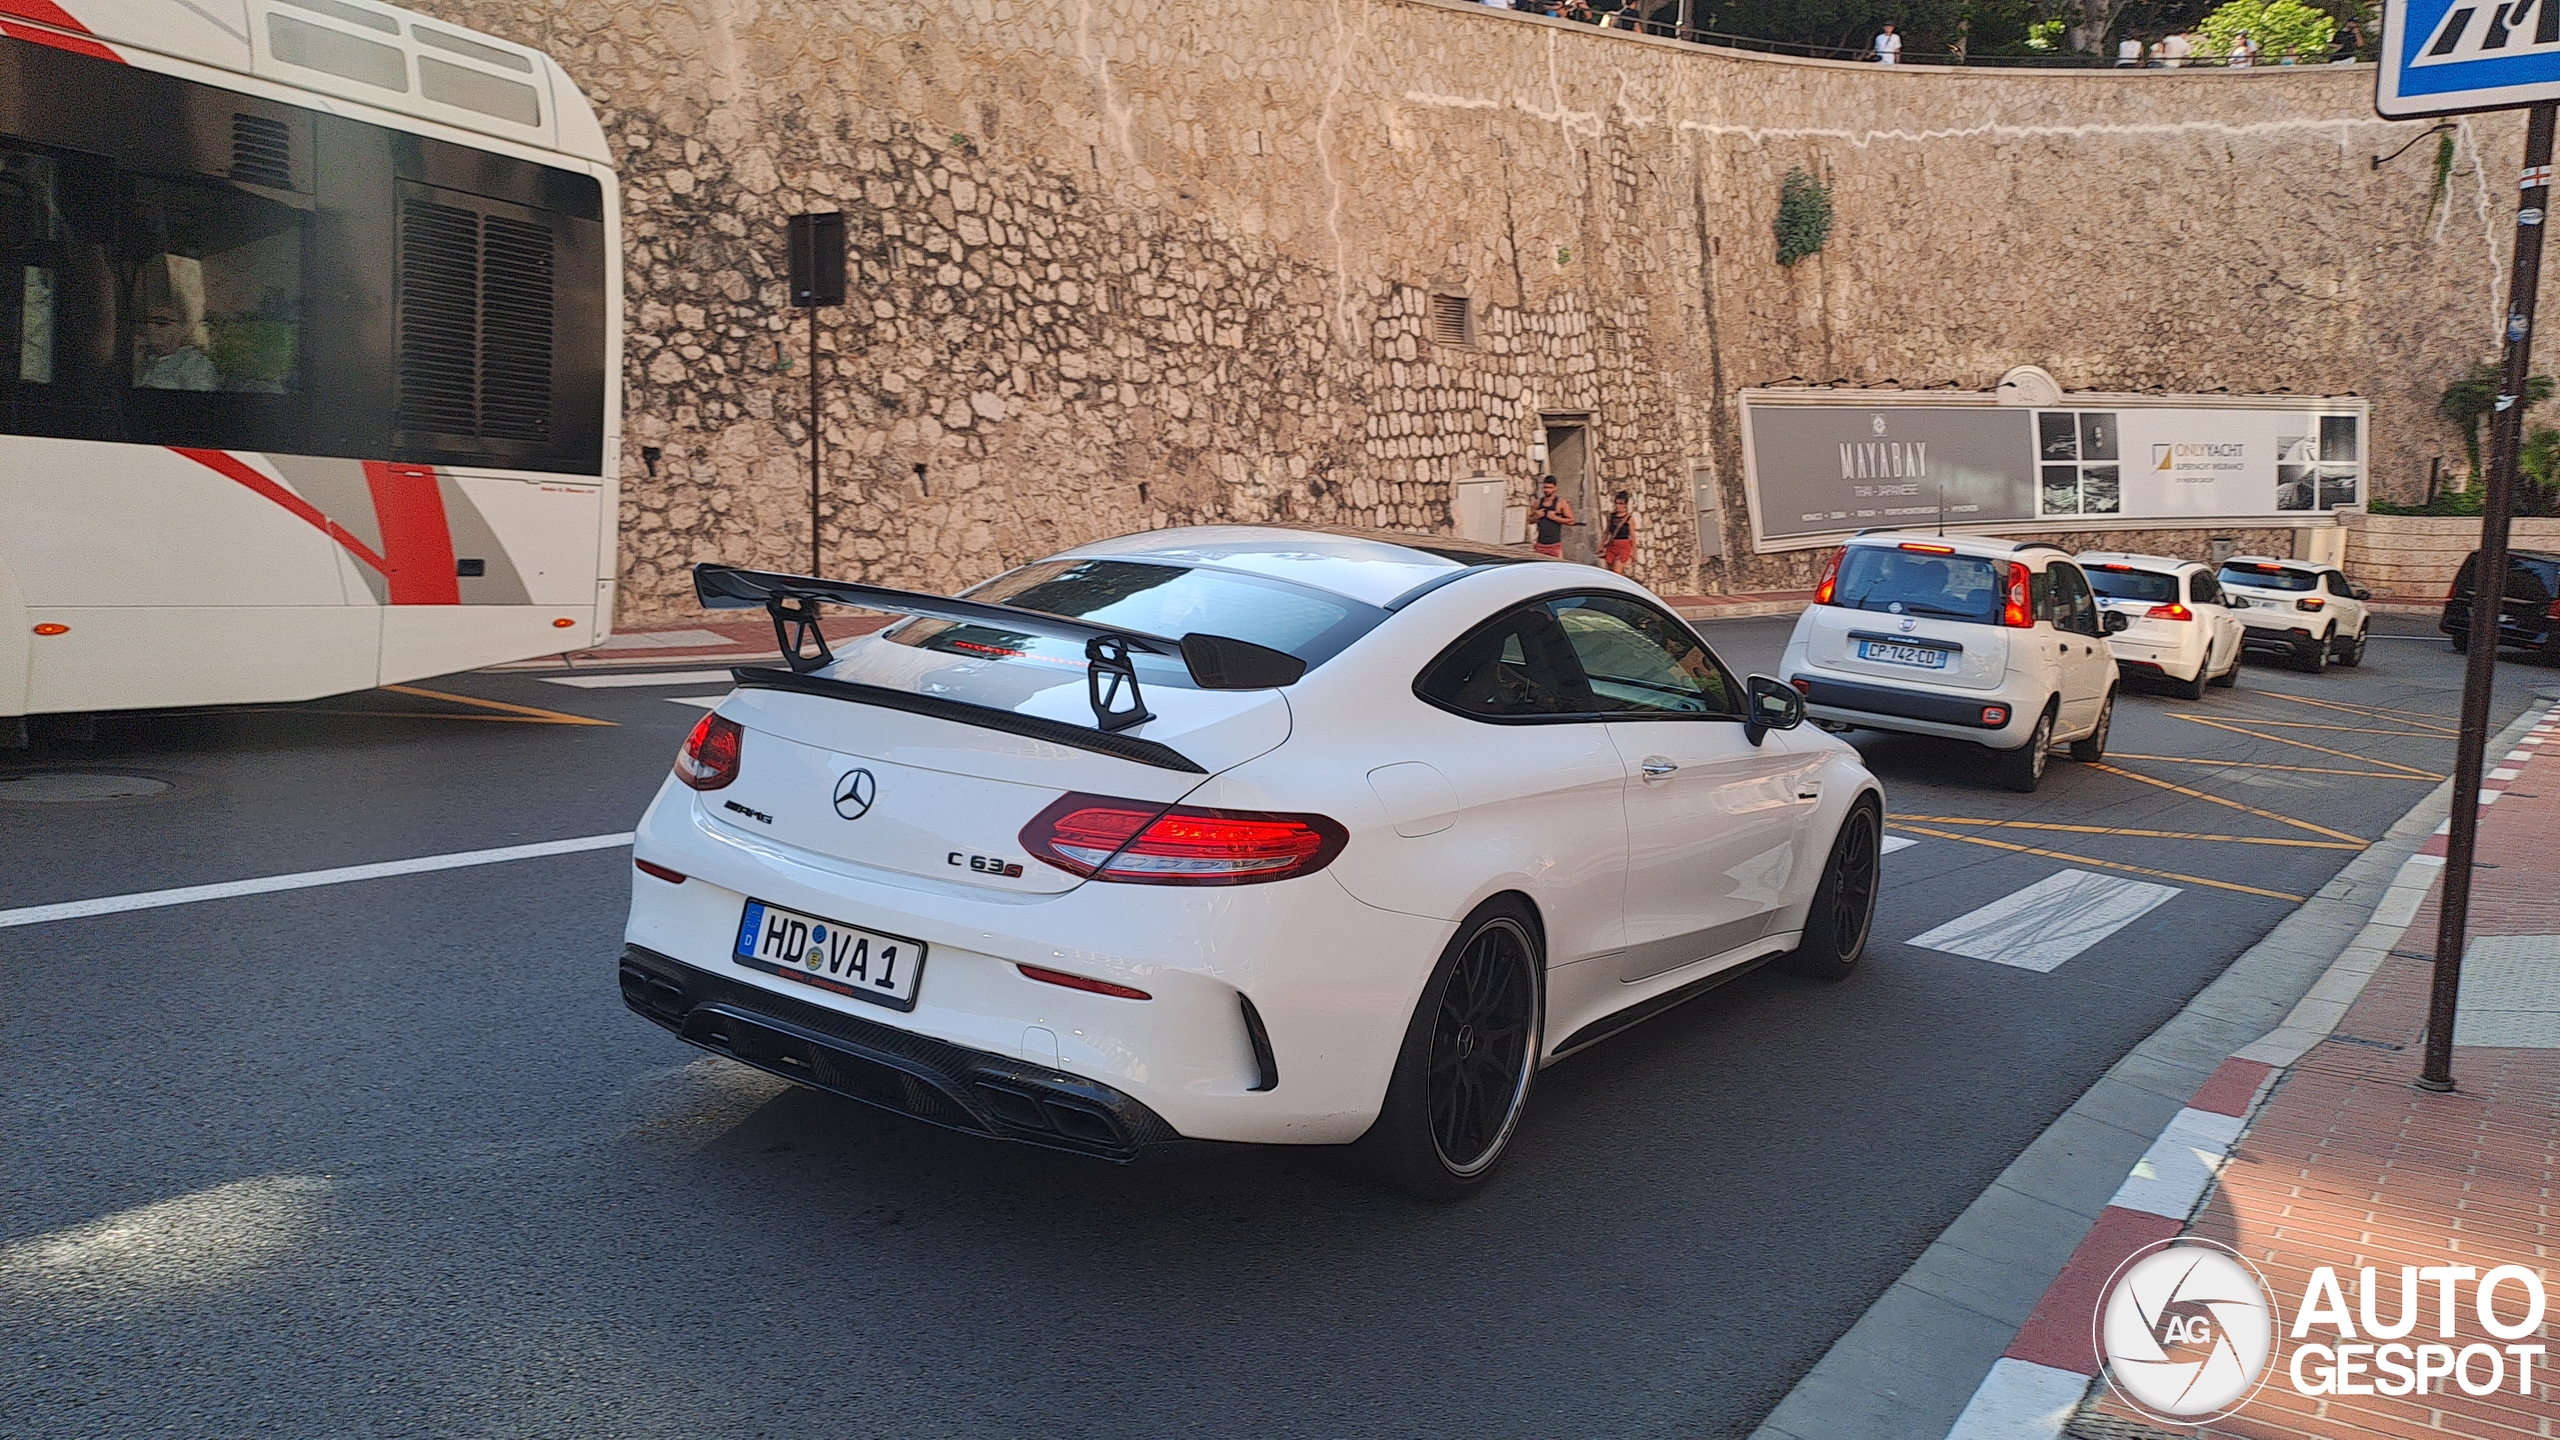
<point x="1552" y="514"/>
<point x="1618" y="538"/>
<point x="1888" y="47"/>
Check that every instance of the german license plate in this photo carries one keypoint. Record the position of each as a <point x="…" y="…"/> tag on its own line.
<point x="1924" y="656"/>
<point x="831" y="955"/>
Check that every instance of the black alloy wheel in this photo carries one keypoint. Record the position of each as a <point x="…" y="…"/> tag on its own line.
<point x="1480" y="1061"/>
<point x="2351" y="654"/>
<point x="2314" y="657"/>
<point x="1836" y="925"/>
<point x="1470" y="1057"/>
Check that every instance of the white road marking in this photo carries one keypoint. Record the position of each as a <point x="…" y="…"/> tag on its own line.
<point x="633" y="682"/>
<point x="702" y="702"/>
<point x="2050" y="921"/>
<point x="225" y="890"/>
<point x="1898" y="842"/>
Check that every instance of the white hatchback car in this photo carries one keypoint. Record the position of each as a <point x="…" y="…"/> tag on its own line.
<point x="2304" y="609"/>
<point x="1995" y="642"/>
<point x="1235" y="834"/>
<point x="2180" y="629"/>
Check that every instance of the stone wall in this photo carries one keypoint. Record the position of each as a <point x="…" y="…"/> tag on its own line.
<point x="1124" y="265"/>
<point x="2411" y="559"/>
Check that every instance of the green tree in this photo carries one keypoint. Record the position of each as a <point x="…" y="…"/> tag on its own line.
<point x="2539" y="463"/>
<point x="2474" y="397"/>
<point x="2281" y="28"/>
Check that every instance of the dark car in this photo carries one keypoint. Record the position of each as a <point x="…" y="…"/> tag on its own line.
<point x="2531" y="616"/>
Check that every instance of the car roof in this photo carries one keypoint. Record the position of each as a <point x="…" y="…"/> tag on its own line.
<point x="1979" y="546"/>
<point x="1370" y="566"/>
<point x="2313" y="566"/>
<point x="2126" y="557"/>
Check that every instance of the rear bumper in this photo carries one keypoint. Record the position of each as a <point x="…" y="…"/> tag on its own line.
<point x="2456" y="620"/>
<point x="2293" y="640"/>
<point x="1917" y="712"/>
<point x="914" y="1075"/>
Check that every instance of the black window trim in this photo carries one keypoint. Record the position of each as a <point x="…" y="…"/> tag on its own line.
<point x="1606" y="717"/>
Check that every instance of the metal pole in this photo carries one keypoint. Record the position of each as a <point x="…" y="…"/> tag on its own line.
<point x="2488" y="597"/>
<point x="813" y="441"/>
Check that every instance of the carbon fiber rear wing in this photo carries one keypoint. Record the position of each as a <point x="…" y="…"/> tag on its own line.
<point x="1215" y="662"/>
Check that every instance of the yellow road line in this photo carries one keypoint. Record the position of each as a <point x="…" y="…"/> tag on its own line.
<point x="2128" y="830"/>
<point x="2413" y="771"/>
<point x="2091" y="860"/>
<point x="551" y="717"/>
<point x="2360" y="841"/>
<point x="2261" y="765"/>
<point x="2372" y="712"/>
<point x="2334" y="729"/>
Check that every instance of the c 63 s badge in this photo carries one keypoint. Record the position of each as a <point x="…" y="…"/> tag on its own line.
<point x="987" y="864"/>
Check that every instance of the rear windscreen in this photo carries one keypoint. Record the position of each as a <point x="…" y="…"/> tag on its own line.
<point x="2268" y="577"/>
<point x="1961" y="587"/>
<point x="1154" y="599"/>
<point x="2115" y="583"/>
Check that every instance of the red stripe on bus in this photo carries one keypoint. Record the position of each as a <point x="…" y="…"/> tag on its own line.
<point x="66" y="33"/>
<point x="232" y="467"/>
<point x="408" y="507"/>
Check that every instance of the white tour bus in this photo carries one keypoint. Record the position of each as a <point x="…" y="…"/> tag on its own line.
<point x="309" y="334"/>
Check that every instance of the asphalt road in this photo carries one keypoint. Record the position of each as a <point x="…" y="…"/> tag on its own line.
<point x="390" y="1158"/>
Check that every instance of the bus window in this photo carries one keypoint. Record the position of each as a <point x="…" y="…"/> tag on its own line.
<point x="30" y="229"/>
<point x="216" y="294"/>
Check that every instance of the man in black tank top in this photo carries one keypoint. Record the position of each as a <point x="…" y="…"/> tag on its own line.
<point x="1552" y="514"/>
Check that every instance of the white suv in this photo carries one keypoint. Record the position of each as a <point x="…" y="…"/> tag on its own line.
<point x="2309" y="611"/>
<point x="1996" y="642"/>
<point x="2181" y="630"/>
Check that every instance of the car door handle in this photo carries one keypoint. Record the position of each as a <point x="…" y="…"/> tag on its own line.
<point x="1655" y="768"/>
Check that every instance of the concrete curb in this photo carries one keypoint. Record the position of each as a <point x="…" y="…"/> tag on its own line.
<point x="1939" y="1351"/>
<point x="1751" y="611"/>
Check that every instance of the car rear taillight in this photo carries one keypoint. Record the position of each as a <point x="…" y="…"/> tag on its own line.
<point x="1140" y="842"/>
<point x="2171" y="611"/>
<point x="2551" y="611"/>
<point x="709" y="758"/>
<point x="1830" y="585"/>
<point x="2013" y="600"/>
<point x="2314" y="603"/>
<point x="1995" y="716"/>
<point x="1919" y="548"/>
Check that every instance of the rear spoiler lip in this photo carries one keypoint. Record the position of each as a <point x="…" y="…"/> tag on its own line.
<point x="985" y="717"/>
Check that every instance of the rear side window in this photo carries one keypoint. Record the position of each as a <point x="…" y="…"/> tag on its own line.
<point x="2201" y="590"/>
<point x="2267" y="577"/>
<point x="1520" y="666"/>
<point x="2527" y="580"/>
<point x="1888" y="578"/>
<point x="2337" y="583"/>
<point x="2073" y="609"/>
<point x="2123" y="582"/>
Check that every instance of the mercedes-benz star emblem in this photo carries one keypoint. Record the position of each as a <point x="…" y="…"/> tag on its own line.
<point x="854" y="794"/>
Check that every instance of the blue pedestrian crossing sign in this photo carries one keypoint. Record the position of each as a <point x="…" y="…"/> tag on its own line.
<point x="2442" y="57"/>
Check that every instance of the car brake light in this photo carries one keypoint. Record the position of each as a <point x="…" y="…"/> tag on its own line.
<point x="2314" y="603"/>
<point x="1928" y="549"/>
<point x="2171" y="611"/>
<point x="710" y="755"/>
<point x="1823" y="592"/>
<point x="1140" y="842"/>
<point x="1080" y="982"/>
<point x="2118" y="569"/>
<point x="2013" y="601"/>
<point x="1803" y="685"/>
<point x="672" y="877"/>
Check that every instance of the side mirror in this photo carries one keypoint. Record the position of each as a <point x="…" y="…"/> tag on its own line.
<point x="1772" y="705"/>
<point x="2118" y="622"/>
<point x="2361" y="593"/>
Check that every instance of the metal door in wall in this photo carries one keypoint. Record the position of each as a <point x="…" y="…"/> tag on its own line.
<point x="1569" y="460"/>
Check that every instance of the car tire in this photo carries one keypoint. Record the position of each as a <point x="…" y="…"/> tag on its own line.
<point x="2092" y="747"/>
<point x="1470" y="1056"/>
<point x="2192" y="688"/>
<point x="2461" y="643"/>
<point x="2023" y="768"/>
<point x="2315" y="659"/>
<point x="2352" y="654"/>
<point x="1843" y="912"/>
<point x="2230" y="675"/>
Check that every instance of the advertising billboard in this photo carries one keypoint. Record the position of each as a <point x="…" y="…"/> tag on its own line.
<point x="1821" y="466"/>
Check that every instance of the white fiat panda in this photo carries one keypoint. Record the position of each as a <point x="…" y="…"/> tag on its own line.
<point x="1997" y="642"/>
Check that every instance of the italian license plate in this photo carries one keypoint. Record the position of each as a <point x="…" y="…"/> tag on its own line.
<point x="831" y="955"/>
<point x="1924" y="656"/>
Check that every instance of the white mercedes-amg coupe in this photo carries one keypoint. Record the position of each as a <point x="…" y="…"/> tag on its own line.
<point x="1234" y="834"/>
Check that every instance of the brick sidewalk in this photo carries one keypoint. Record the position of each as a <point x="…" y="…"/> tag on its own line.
<point x="2346" y="1165"/>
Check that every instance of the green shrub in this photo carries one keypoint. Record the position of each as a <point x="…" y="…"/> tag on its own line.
<point x="1804" y="215"/>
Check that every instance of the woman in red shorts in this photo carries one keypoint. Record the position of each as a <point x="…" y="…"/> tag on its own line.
<point x="1618" y="540"/>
